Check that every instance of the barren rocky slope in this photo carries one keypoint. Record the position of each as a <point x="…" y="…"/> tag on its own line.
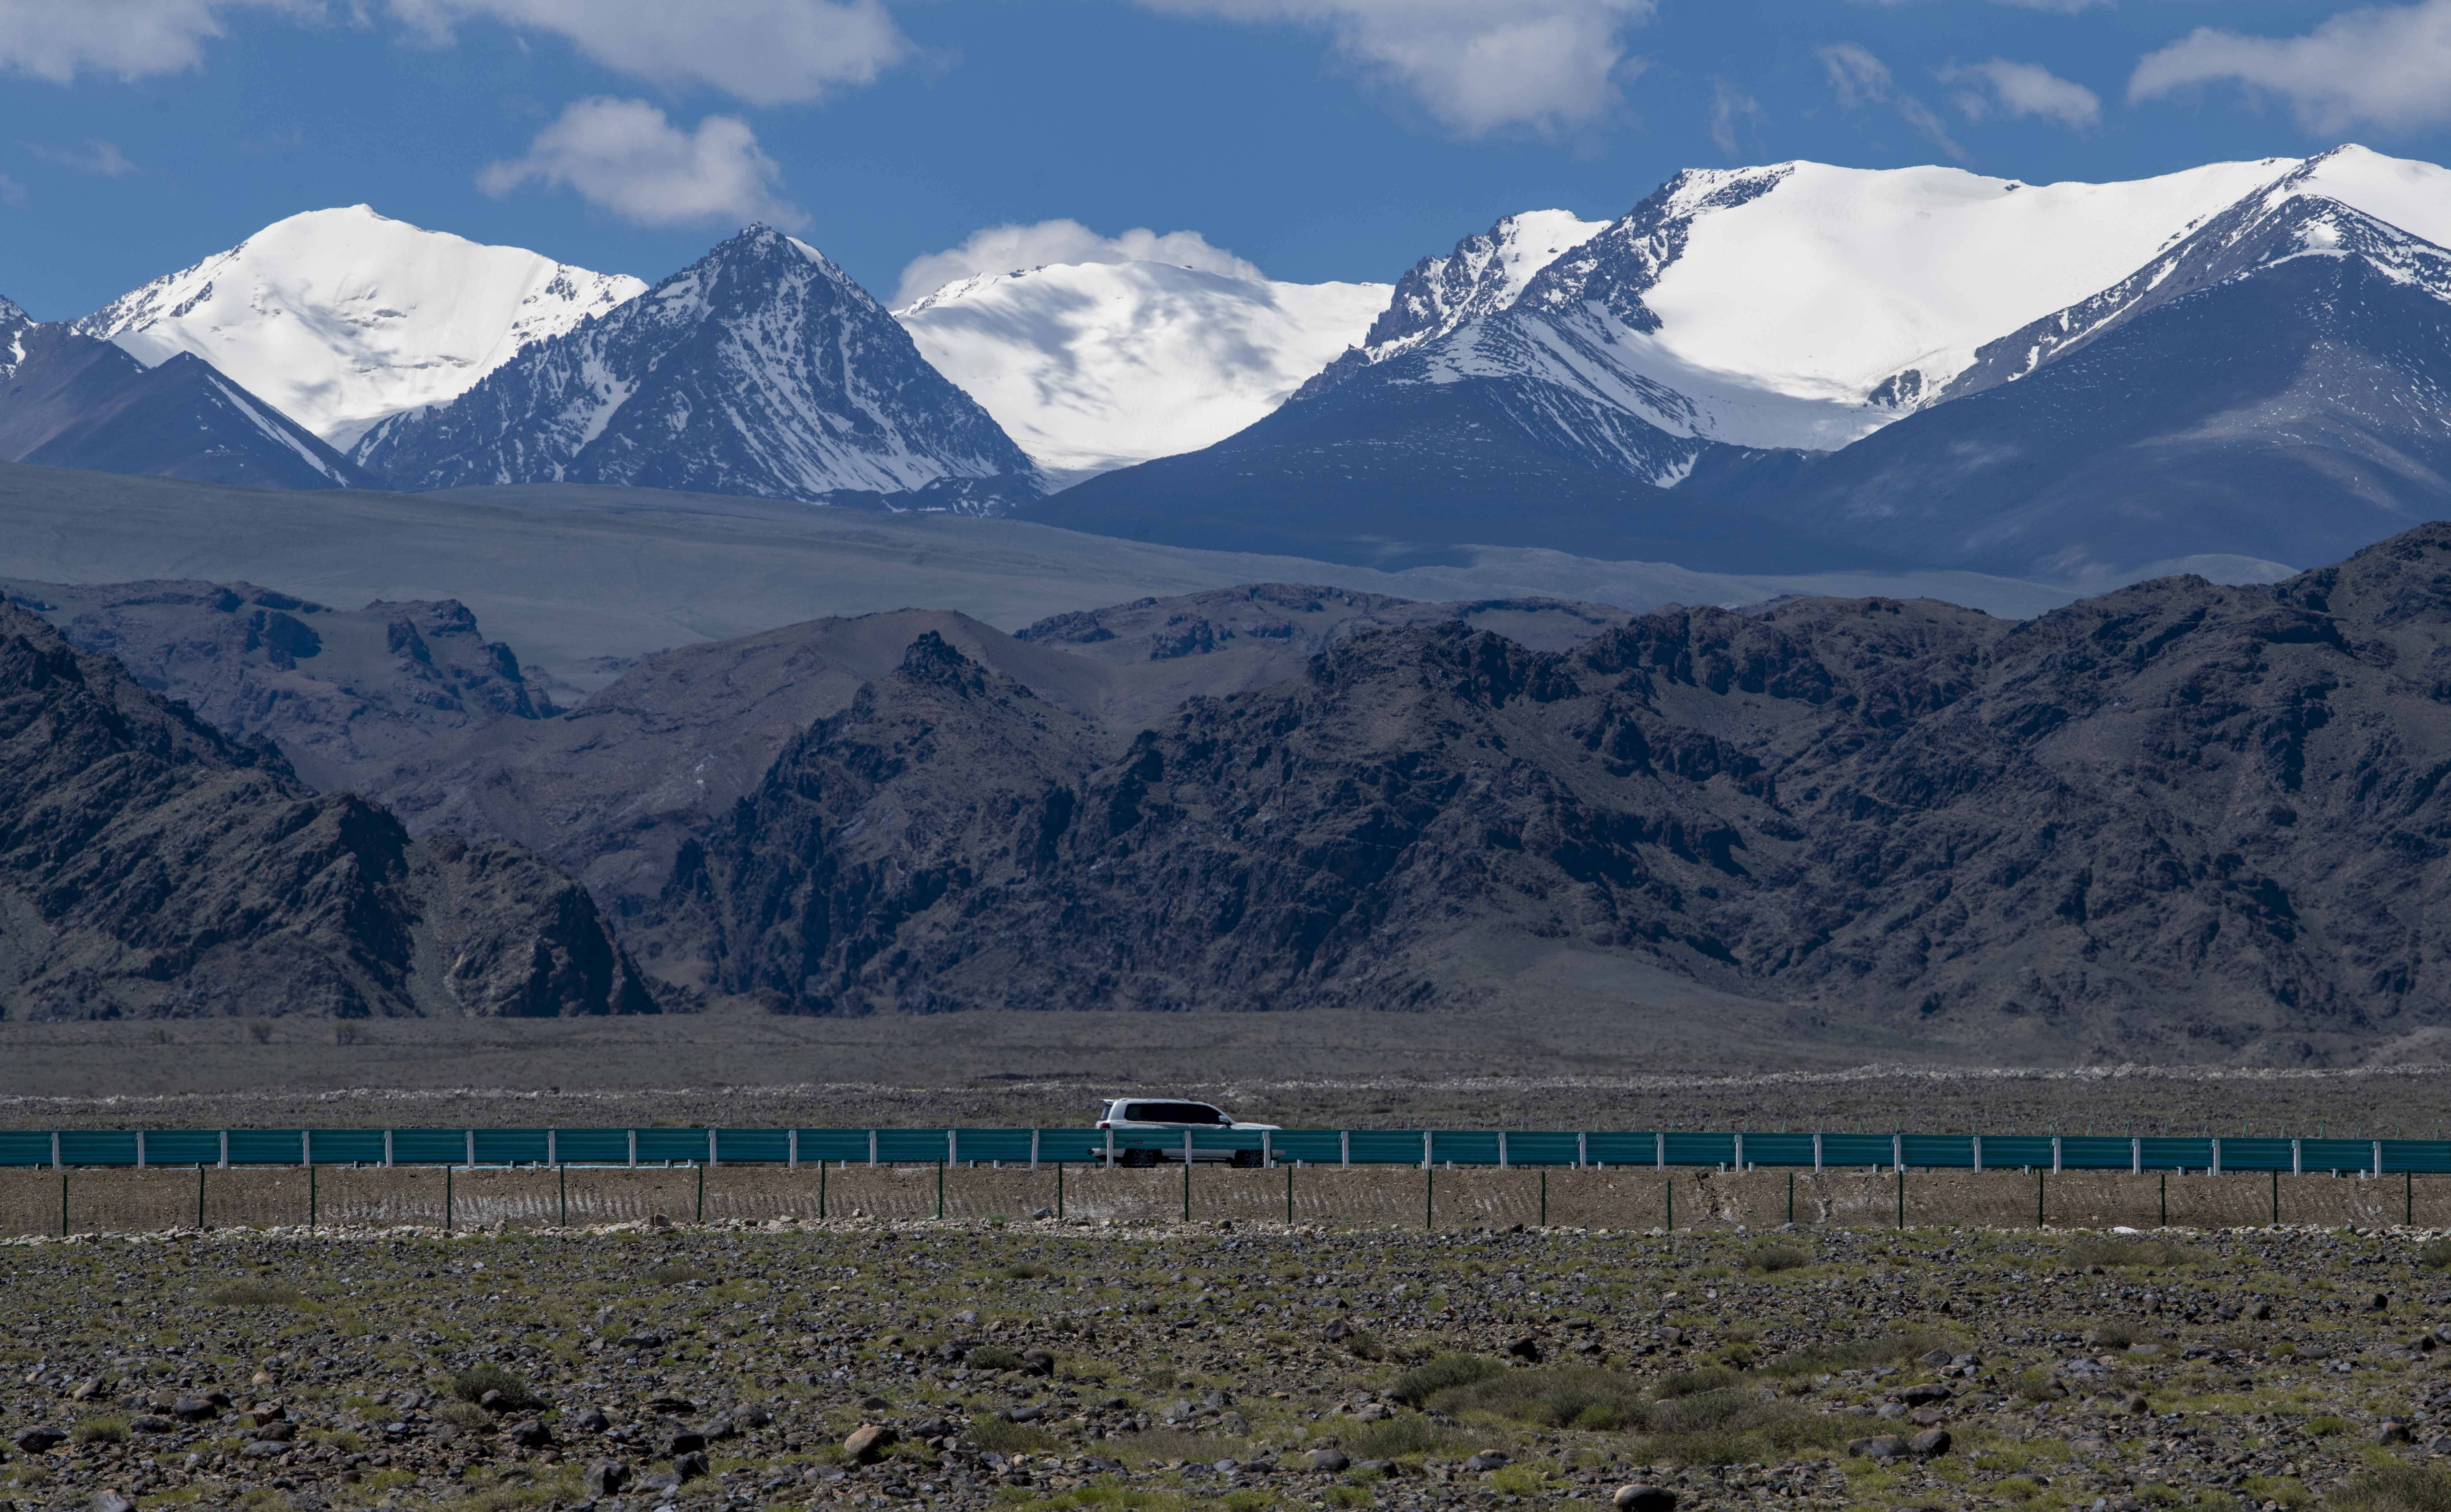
<point x="2179" y="821"/>
<point x="150" y="866"/>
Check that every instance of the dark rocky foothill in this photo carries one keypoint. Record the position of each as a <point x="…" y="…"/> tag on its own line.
<point x="152" y="866"/>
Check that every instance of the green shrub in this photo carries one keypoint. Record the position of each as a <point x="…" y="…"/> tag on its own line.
<point x="2395" y="1489"/>
<point x="1418" y="1385"/>
<point x="1024" y="1272"/>
<point x="992" y="1357"/>
<point x="1394" y="1438"/>
<point x="472" y="1384"/>
<point x="1688" y="1383"/>
<point x="1771" y="1259"/>
<point x="999" y="1437"/>
<point x="1363" y="1344"/>
<point x="1736" y="1427"/>
<point x="100" y="1430"/>
<point x="1558" y="1397"/>
<point x="1895" y="1347"/>
<point x="2112" y="1335"/>
<point x="2435" y="1254"/>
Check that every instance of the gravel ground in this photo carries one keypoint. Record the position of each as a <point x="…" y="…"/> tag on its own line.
<point x="1247" y="1366"/>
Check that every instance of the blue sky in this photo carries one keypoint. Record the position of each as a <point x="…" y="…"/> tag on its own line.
<point x="1316" y="138"/>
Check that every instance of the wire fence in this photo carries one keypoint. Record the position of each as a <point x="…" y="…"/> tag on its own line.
<point x="1035" y="1147"/>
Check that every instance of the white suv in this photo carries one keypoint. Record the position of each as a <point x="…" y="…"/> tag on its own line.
<point x="1143" y="1113"/>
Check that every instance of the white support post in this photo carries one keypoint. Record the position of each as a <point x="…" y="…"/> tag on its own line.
<point x="2216" y="1170"/>
<point x="472" y="1148"/>
<point x="791" y="1149"/>
<point x="2297" y="1157"/>
<point x="1344" y="1148"/>
<point x="306" y="1147"/>
<point x="2377" y="1156"/>
<point x="1660" y="1150"/>
<point x="1740" y="1154"/>
<point x="55" y="1142"/>
<point x="1502" y="1149"/>
<point x="2135" y="1156"/>
<point x="952" y="1147"/>
<point x="1186" y="1149"/>
<point x="871" y="1148"/>
<point x="1425" y="1149"/>
<point x="1033" y="1150"/>
<point x="140" y="1150"/>
<point x="386" y="1150"/>
<point x="1110" y="1149"/>
<point x="634" y="1149"/>
<point x="2055" y="1154"/>
<point x="1817" y="1154"/>
<point x="1978" y="1153"/>
<point x="711" y="1160"/>
<point x="56" y="1150"/>
<point x="1268" y="1151"/>
<point x="1897" y="1152"/>
<point x="1582" y="1151"/>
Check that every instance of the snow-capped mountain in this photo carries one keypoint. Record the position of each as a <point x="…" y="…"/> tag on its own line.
<point x="1485" y="274"/>
<point x="1792" y="310"/>
<point x="341" y="317"/>
<point x="68" y="400"/>
<point x="762" y="369"/>
<point x="2277" y="387"/>
<point x="1095" y="366"/>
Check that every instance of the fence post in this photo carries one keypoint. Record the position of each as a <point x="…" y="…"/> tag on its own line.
<point x="386" y="1150"/>
<point x="446" y="1198"/>
<point x="1582" y="1150"/>
<point x="1267" y="1150"/>
<point x="1740" y="1154"/>
<point x="1669" y="1187"/>
<point x="306" y="1147"/>
<point x="940" y="1189"/>
<point x="2408" y="1199"/>
<point x="1429" y="1193"/>
<point x="1059" y="1191"/>
<point x="1817" y="1154"/>
<point x="1978" y="1154"/>
<point x="1110" y="1148"/>
<point x="1502" y="1149"/>
<point x="1425" y="1149"/>
<point x="2377" y="1156"/>
<point x="1660" y="1149"/>
<point x="2276" y="1196"/>
<point x="2297" y="1157"/>
<point x="562" y="1173"/>
<point x="471" y="1135"/>
<point x="1034" y="1148"/>
<point x="1902" y="1194"/>
<point x="953" y="1146"/>
<point x="1344" y="1147"/>
<point x="310" y="1197"/>
<point x="1544" y="1196"/>
<point x="821" y="1190"/>
<point x="2038" y="1193"/>
<point x="871" y="1150"/>
<point x="1791" y="1198"/>
<point x="1186" y="1176"/>
<point x="2055" y="1154"/>
<point x="199" y="1196"/>
<point x="1289" y="1194"/>
<point x="702" y="1194"/>
<point x="2216" y="1170"/>
<point x="2135" y="1156"/>
<point x="792" y="1148"/>
<point x="56" y="1150"/>
<point x="64" y="1200"/>
<point x="2165" y="1199"/>
<point x="634" y="1149"/>
<point x="1899" y="1153"/>
<point x="140" y="1150"/>
<point x="553" y="1146"/>
<point x="711" y="1152"/>
<point x="225" y="1150"/>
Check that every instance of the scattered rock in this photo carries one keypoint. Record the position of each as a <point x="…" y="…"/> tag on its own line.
<point x="108" y="1501"/>
<point x="1336" y="1329"/>
<point x="195" y="1409"/>
<point x="591" y="1421"/>
<point x="1924" y="1392"/>
<point x="149" y="1423"/>
<point x="606" y="1477"/>
<point x="38" y="1440"/>
<point x="2392" y="1430"/>
<point x="868" y="1442"/>
<point x="1487" y="1460"/>
<point x="531" y="1434"/>
<point x="1930" y="1443"/>
<point x="1879" y="1446"/>
<point x="2377" y="1302"/>
<point x="1644" y="1498"/>
<point x="1037" y="1362"/>
<point x="691" y="1465"/>
<point x="1526" y="1348"/>
<point x="683" y="1441"/>
<point x="1331" y="1460"/>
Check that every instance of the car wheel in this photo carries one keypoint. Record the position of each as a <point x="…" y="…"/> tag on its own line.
<point x="1247" y="1160"/>
<point x="1140" y="1159"/>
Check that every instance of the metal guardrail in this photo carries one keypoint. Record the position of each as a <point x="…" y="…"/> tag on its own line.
<point x="140" y="1149"/>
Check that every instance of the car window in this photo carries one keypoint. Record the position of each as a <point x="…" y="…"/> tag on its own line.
<point x="1174" y="1114"/>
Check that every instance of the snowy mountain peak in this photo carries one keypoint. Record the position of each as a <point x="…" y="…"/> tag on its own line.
<point x="1485" y="274"/>
<point x="762" y="369"/>
<point x="340" y="317"/>
<point x="1094" y="365"/>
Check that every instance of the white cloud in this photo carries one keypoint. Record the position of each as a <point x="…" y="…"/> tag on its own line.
<point x="2387" y="67"/>
<point x="1729" y="106"/>
<point x="1476" y="65"/>
<point x="97" y="157"/>
<point x="59" y="39"/>
<point x="624" y="156"/>
<point x="1860" y="80"/>
<point x="2022" y="88"/>
<point x="764" y="51"/>
<point x="1009" y="248"/>
<point x="2065" y="7"/>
